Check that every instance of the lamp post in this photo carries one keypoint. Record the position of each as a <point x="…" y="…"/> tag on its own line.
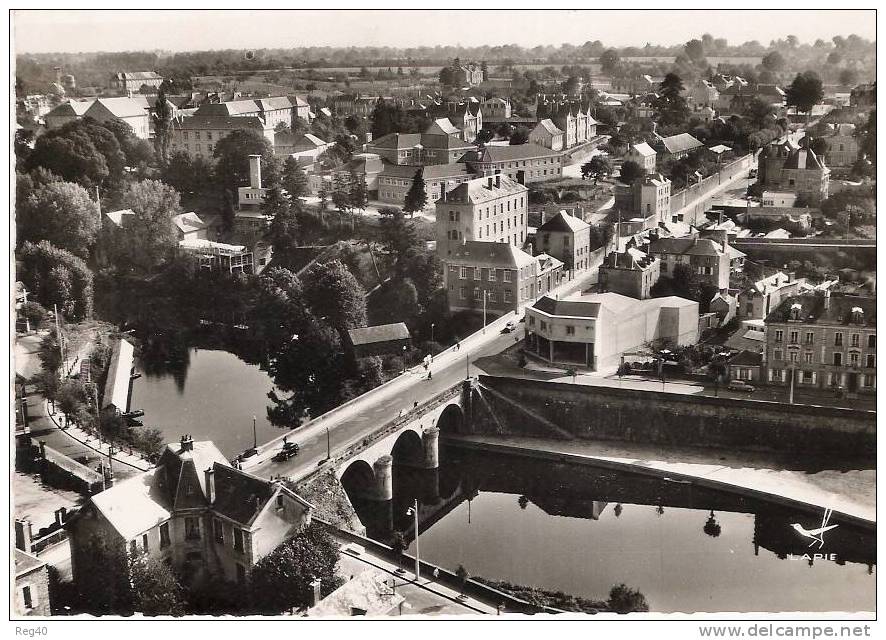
<point x="432" y="332"/>
<point x="413" y="511"/>
<point x="484" y="311"/>
<point x="328" y="443"/>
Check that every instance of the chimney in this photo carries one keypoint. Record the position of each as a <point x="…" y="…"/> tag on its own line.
<point x="489" y="183"/>
<point x="827" y="299"/>
<point x="530" y="250"/>
<point x="498" y="181"/>
<point x="255" y="172"/>
<point x="315" y="592"/>
<point x="187" y="443"/>
<point x="23" y="535"/>
<point x="60" y="515"/>
<point x="209" y="474"/>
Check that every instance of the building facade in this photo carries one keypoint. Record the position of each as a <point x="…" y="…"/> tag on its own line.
<point x="198" y="135"/>
<point x="788" y="166"/>
<point x="435" y="146"/>
<point x="568" y="239"/>
<point x="490" y="209"/>
<point x="524" y="163"/>
<point x="643" y="155"/>
<point x="547" y="135"/>
<point x="497" y="277"/>
<point x="630" y="273"/>
<point x="133" y="81"/>
<point x="823" y="341"/>
<point x="756" y="301"/>
<point x="395" y="180"/>
<point x="31" y="596"/>
<point x="707" y="258"/>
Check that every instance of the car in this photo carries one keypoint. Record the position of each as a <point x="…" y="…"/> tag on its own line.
<point x="289" y="450"/>
<point x="741" y="385"/>
<point x="510" y="327"/>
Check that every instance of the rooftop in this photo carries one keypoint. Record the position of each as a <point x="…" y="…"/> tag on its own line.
<point x="564" y="222"/>
<point x="680" y="142"/>
<point x="506" y="153"/>
<point x="839" y="310"/>
<point x="687" y="246"/>
<point x="500" y="254"/>
<point x="379" y="333"/>
<point x="429" y="172"/>
<point x="478" y="190"/>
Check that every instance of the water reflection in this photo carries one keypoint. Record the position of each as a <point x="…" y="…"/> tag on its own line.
<point x="581" y="530"/>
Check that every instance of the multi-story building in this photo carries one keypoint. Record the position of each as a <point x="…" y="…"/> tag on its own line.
<point x="271" y="111"/>
<point x="466" y="116"/>
<point x="823" y="341"/>
<point x="701" y="93"/>
<point x="643" y="155"/>
<point x="568" y="239"/>
<point x="395" y="181"/>
<point x="524" y="163"/>
<point x="133" y="81"/>
<point x="496" y="108"/>
<point x="547" y="135"/>
<point x="198" y="135"/>
<point x="208" y="520"/>
<point x="631" y="273"/>
<point x="707" y="258"/>
<point x="31" y="585"/>
<point x="787" y="166"/>
<point x="466" y="75"/>
<point x="66" y="112"/>
<point x="490" y="209"/>
<point x="676" y="146"/>
<point x="842" y="146"/>
<point x="652" y="198"/>
<point x="573" y="117"/>
<point x="594" y="330"/>
<point x="131" y="111"/>
<point x="432" y="147"/>
<point x="497" y="274"/>
<point x="300" y="145"/>
<point x="757" y="300"/>
<point x="354" y="105"/>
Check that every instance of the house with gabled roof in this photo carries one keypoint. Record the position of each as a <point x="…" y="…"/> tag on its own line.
<point x="788" y="166"/>
<point x="643" y="155"/>
<point x="66" y="112"/>
<point x="271" y="111"/>
<point x="395" y="180"/>
<point x="439" y="144"/>
<point x="547" y="135"/>
<point x="134" y="81"/>
<point x="568" y="238"/>
<point x="631" y="273"/>
<point x="524" y="163"/>
<point x="705" y="257"/>
<point x="130" y="110"/>
<point x="677" y="146"/>
<point x="194" y="511"/>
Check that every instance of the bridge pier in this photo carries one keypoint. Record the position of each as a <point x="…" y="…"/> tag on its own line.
<point x="384" y="483"/>
<point x="430" y="440"/>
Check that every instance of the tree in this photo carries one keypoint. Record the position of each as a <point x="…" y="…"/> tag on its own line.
<point x="341" y="192"/>
<point x="848" y="77"/>
<point x="597" y="167"/>
<point x="70" y="398"/>
<point x="187" y="175"/>
<point x="45" y="268"/>
<point x="630" y="172"/>
<point x="773" y="61"/>
<point x="520" y="135"/>
<point x="834" y="58"/>
<point x="694" y="50"/>
<point x="670" y="103"/>
<point x="609" y="61"/>
<point x="34" y="313"/>
<point x="162" y="118"/>
<point x="820" y="146"/>
<point x="760" y="113"/>
<point x="805" y="91"/>
<point x="282" y="579"/>
<point x="397" y="301"/>
<point x="137" y="152"/>
<point x="155" y="589"/>
<point x="283" y="230"/>
<point x="416" y="197"/>
<point x="399" y="236"/>
<point x="358" y="194"/>
<point x="62" y="213"/>
<point x="446" y="77"/>
<point x="50" y="353"/>
<point x="232" y="158"/>
<point x="148" y="238"/>
<point x="81" y="151"/>
<point x="623" y="599"/>
<point x="333" y="292"/>
<point x="294" y="179"/>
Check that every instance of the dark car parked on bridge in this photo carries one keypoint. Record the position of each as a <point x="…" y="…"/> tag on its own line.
<point x="289" y="450"/>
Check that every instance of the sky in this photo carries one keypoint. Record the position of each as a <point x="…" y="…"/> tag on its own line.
<point x="113" y="30"/>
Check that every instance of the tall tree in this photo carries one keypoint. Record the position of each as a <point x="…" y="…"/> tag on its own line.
<point x="358" y="194"/>
<point x="333" y="292"/>
<point x="232" y="158"/>
<point x="45" y="267"/>
<point x="81" y="151"/>
<point x="596" y="167"/>
<point x="609" y="61"/>
<point x="294" y="179"/>
<point x="773" y="61"/>
<point x="670" y="104"/>
<point x="147" y="239"/>
<point x="162" y="118"/>
<point x="416" y="197"/>
<point x="399" y="235"/>
<point x="630" y="172"/>
<point x="62" y="213"/>
<point x="805" y="91"/>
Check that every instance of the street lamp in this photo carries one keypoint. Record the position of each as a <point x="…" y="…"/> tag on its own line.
<point x="413" y="511"/>
<point x="328" y="444"/>
<point x="432" y="332"/>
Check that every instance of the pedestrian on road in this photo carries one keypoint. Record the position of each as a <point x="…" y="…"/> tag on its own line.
<point x="457" y="345"/>
<point x="415" y="405"/>
<point x="430" y="375"/>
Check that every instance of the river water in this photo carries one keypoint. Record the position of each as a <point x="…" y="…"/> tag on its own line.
<point x="582" y="530"/>
<point x="208" y="393"/>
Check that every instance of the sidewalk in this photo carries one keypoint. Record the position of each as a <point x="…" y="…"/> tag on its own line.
<point x="76" y="433"/>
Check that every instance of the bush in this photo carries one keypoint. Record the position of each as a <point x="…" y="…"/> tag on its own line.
<point x="34" y="313"/>
<point x="623" y="599"/>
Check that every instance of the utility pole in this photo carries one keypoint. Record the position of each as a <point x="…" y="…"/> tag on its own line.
<point x="467" y="367"/>
<point x="328" y="444"/>
<point x="791" y="390"/>
<point x="413" y="510"/>
<point x="254" y="435"/>
<point x="484" y="311"/>
<point x="61" y="342"/>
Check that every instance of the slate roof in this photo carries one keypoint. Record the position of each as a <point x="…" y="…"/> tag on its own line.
<point x="686" y="246"/>
<point x="231" y="108"/>
<point x="429" y="172"/>
<point x="477" y="191"/>
<point x="443" y="126"/>
<point x="218" y="122"/>
<point x="803" y="158"/>
<point x="507" y="153"/>
<point x="72" y="108"/>
<point x="274" y="103"/>
<point x="747" y="358"/>
<point x="570" y="308"/>
<point x="839" y="311"/>
<point x="189" y="221"/>
<point x="500" y="254"/>
<point x="239" y="496"/>
<point x="680" y="142"/>
<point x="564" y="222"/>
<point x="644" y="149"/>
<point x="25" y="563"/>
<point x="120" y="107"/>
<point x="549" y="126"/>
<point x="378" y="333"/>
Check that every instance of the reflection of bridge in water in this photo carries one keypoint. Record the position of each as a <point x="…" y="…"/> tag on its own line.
<point x="585" y="491"/>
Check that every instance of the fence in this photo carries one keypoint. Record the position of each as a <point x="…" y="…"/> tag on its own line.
<point x="690" y="195"/>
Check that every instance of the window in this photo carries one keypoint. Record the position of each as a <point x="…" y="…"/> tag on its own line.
<point x="868" y="380"/>
<point x="164" y="535"/>
<point x="872" y="341"/>
<point x="145" y="541"/>
<point x="838" y="338"/>
<point x="544" y="325"/>
<point x="192" y="529"/>
<point x="531" y="321"/>
<point x="795" y="337"/>
<point x="853" y="359"/>
<point x="507" y="276"/>
<point x="808" y="377"/>
<point x="209" y="135"/>
<point x="218" y="531"/>
<point x="477" y="274"/>
<point x="476" y="293"/>
<point x="463" y="273"/>
<point x="870" y="361"/>
<point x="462" y="292"/>
<point x="508" y="295"/>
<point x="838" y="359"/>
<point x="570" y="330"/>
<point x="855" y="339"/>
<point x="792" y="356"/>
<point x="238" y="540"/>
<point x="491" y="296"/>
<point x="807" y="357"/>
<point x="810" y="337"/>
<point x="27" y="598"/>
<point x="492" y="275"/>
<point x="776" y="375"/>
<point x="779" y="335"/>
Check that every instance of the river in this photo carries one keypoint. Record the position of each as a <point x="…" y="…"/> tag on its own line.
<point x="582" y="530"/>
<point x="208" y="393"/>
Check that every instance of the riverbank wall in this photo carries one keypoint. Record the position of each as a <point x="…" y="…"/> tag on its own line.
<point x="511" y="406"/>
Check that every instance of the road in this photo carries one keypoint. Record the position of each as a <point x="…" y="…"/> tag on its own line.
<point x="377" y="407"/>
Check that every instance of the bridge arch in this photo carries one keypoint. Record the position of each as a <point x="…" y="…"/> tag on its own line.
<point x="359" y="479"/>
<point x="408" y="449"/>
<point x="451" y="420"/>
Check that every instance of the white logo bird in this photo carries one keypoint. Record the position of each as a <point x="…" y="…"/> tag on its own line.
<point x="817" y="535"/>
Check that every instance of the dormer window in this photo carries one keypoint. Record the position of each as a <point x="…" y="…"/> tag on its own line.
<point x="857" y="315"/>
<point x="795" y="311"/>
